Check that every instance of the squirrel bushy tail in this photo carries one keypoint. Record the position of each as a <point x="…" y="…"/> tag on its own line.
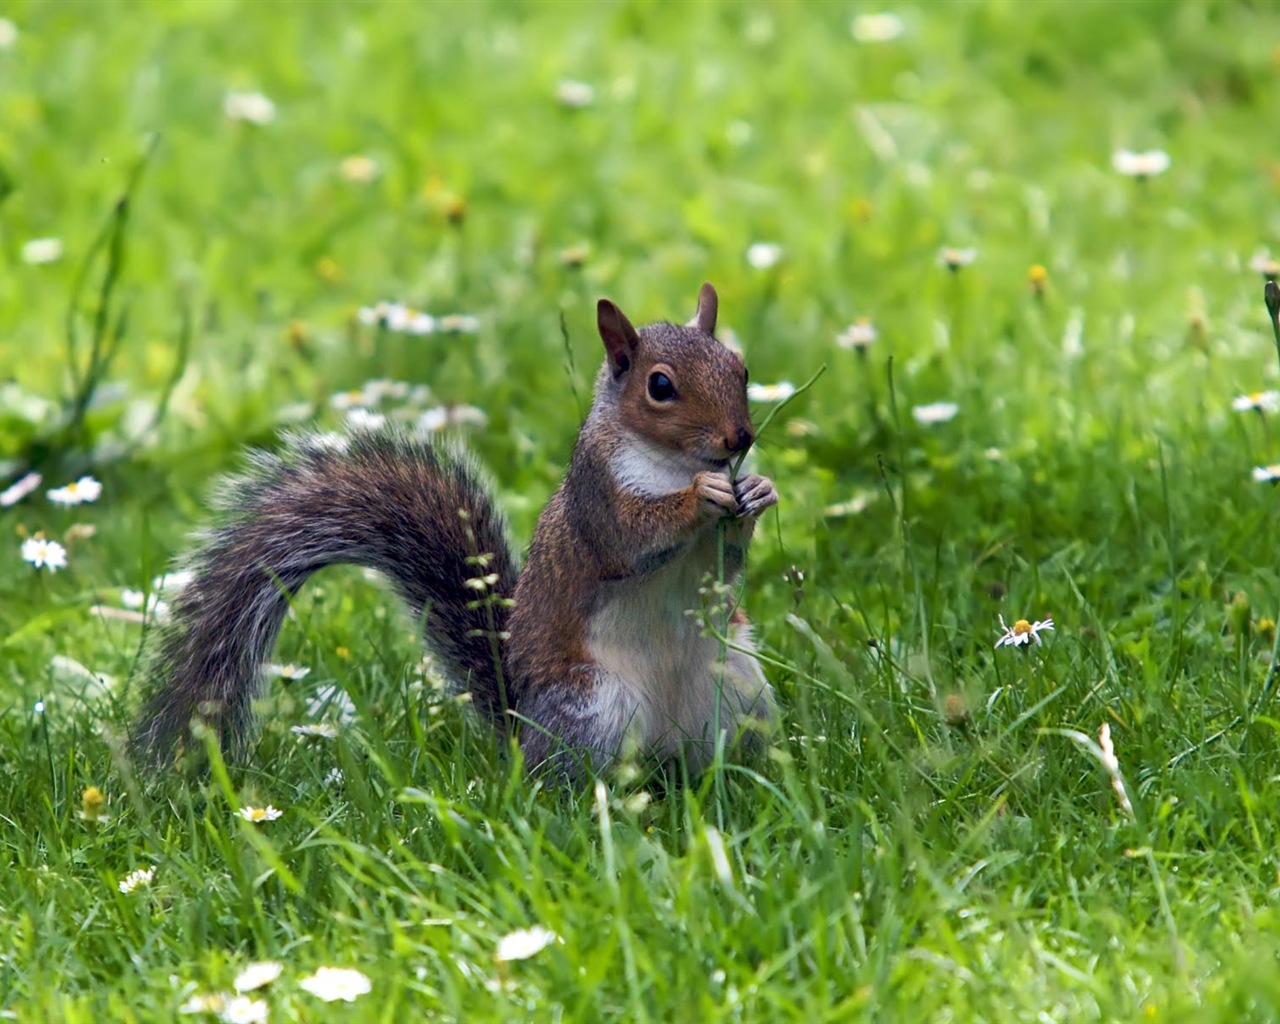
<point x="411" y="510"/>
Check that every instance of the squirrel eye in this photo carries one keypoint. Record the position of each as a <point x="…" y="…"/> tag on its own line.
<point x="660" y="387"/>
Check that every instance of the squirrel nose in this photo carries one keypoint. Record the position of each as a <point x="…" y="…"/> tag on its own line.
<point x="741" y="442"/>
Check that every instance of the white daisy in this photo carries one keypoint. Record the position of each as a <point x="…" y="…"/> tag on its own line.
<point x="1259" y="401"/>
<point x="1266" y="265"/>
<point x="256" y="975"/>
<point x="935" y="412"/>
<point x="1022" y="632"/>
<point x="1267" y="474"/>
<point x="323" y="731"/>
<point x="1140" y="165"/>
<point x="290" y="673"/>
<point x="19" y="489"/>
<point x="77" y="492"/>
<point x="333" y="699"/>
<point x="526" y="942"/>
<point x="251" y="107"/>
<point x="259" y="814"/>
<point x="570" y="93"/>
<point x="877" y="28"/>
<point x="779" y="392"/>
<point x="204" y="1002"/>
<point x="173" y="581"/>
<point x="458" y="323"/>
<point x="44" y="553"/>
<point x="763" y="255"/>
<point x="243" y="1010"/>
<point x="8" y="34"/>
<point x="134" y="879"/>
<point x="363" y="419"/>
<point x="954" y="259"/>
<point x="42" y="250"/>
<point x="333" y="983"/>
<point x="858" y="334"/>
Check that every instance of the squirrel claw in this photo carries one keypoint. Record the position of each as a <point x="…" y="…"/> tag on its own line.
<point x="754" y="494"/>
<point x="716" y="492"/>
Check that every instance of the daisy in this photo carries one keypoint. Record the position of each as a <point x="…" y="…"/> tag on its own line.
<point x="1022" y="632"/>
<point x="935" y="412"/>
<point x="204" y="1002"/>
<point x="256" y="975"/>
<point x="954" y="259"/>
<point x="458" y="323"/>
<point x="858" y="335"/>
<point x="322" y="731"/>
<point x="1266" y="266"/>
<point x="779" y="392"/>
<point x="134" y="879"/>
<point x="44" y="553"/>
<point x="1258" y="401"/>
<point x="877" y="28"/>
<point x="526" y="942"/>
<point x="1267" y="474"/>
<point x="1140" y="165"/>
<point x="575" y="95"/>
<point x="42" y="250"/>
<point x="290" y="673"/>
<point x="19" y="489"/>
<point x="173" y="581"/>
<point x="363" y="419"/>
<point x="8" y="34"/>
<point x="359" y="170"/>
<point x="250" y="107"/>
<point x="243" y="1010"/>
<point x="763" y="255"/>
<point x="331" y="698"/>
<point x="333" y="983"/>
<point x="259" y="814"/>
<point x="77" y="492"/>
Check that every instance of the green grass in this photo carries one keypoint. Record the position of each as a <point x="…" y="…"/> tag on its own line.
<point x="879" y="863"/>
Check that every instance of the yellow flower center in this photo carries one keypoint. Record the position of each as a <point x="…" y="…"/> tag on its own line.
<point x="1021" y="627"/>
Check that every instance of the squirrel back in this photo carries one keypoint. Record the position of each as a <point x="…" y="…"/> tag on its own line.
<point x="595" y="647"/>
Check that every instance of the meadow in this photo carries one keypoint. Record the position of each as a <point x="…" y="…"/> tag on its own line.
<point x="1028" y="243"/>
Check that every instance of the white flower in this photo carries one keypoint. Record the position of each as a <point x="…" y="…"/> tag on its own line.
<point x="363" y="419"/>
<point x="331" y="698"/>
<point x="243" y="1010"/>
<point x="1261" y="401"/>
<point x="954" y="259"/>
<point x="858" y="334"/>
<point x="288" y="672"/>
<point x="396" y="316"/>
<point x="207" y="1002"/>
<point x="173" y="581"/>
<point x="441" y="416"/>
<point x="1022" y="632"/>
<point x="77" y="492"/>
<point x="1267" y="474"/>
<point x="42" y="250"/>
<point x="574" y="94"/>
<point x="1266" y="265"/>
<point x="133" y="879"/>
<point x="876" y="28"/>
<point x="359" y="170"/>
<point x="333" y="983"/>
<point x="259" y="814"/>
<point x="1140" y="165"/>
<point x="853" y="507"/>
<point x="135" y="599"/>
<point x="334" y="777"/>
<point x="19" y="489"/>
<point x="1112" y="764"/>
<point x="252" y="107"/>
<point x="44" y="553"/>
<point x="8" y="34"/>
<point x="763" y="255"/>
<point x="256" y="975"/>
<point x="779" y="392"/>
<point x="323" y="731"/>
<point x="526" y="942"/>
<point x="935" y="412"/>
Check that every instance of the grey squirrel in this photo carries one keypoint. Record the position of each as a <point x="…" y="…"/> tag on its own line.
<point x="586" y="652"/>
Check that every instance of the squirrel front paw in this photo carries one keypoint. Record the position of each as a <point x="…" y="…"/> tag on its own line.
<point x="717" y="494"/>
<point x="754" y="494"/>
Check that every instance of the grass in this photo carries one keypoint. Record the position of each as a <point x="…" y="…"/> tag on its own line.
<point x="927" y="838"/>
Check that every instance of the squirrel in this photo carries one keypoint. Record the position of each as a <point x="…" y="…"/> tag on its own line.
<point x="587" y="652"/>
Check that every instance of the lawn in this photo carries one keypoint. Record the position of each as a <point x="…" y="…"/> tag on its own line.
<point x="1031" y="358"/>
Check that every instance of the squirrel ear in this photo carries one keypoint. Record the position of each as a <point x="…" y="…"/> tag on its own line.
<point x="708" y="305"/>
<point x="619" y="337"/>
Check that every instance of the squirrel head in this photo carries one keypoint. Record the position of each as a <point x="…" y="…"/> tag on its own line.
<point x="675" y="385"/>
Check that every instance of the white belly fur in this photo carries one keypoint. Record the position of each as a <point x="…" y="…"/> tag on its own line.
<point x="661" y="684"/>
